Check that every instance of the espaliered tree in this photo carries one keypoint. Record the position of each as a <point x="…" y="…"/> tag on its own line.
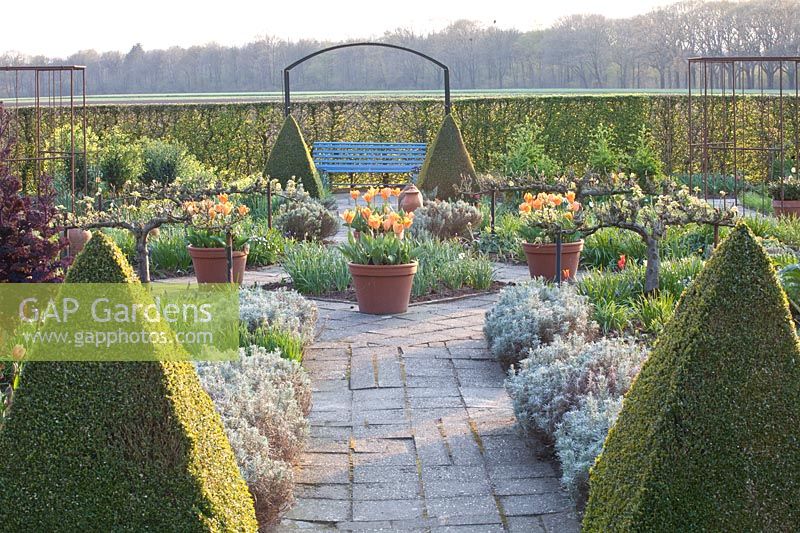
<point x="117" y="446"/>
<point x="290" y="158"/>
<point x="707" y="439"/>
<point x="141" y="209"/>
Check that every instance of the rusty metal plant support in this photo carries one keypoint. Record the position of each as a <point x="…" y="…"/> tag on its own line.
<point x="56" y="93"/>
<point x="726" y="96"/>
<point x="287" y="102"/>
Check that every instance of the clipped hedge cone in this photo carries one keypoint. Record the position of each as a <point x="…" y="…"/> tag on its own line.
<point x="447" y="162"/>
<point x="117" y="446"/>
<point x="290" y="158"/>
<point x="709" y="435"/>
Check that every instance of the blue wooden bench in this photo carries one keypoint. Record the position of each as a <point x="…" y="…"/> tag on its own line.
<point x="368" y="158"/>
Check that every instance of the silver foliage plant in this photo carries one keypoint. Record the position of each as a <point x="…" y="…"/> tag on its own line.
<point x="569" y="391"/>
<point x="281" y="309"/>
<point x="445" y="220"/>
<point x="533" y="314"/>
<point x="264" y="400"/>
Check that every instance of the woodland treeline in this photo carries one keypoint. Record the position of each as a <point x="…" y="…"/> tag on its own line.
<point x="579" y="51"/>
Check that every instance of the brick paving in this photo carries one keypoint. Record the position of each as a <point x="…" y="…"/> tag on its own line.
<point x="412" y="430"/>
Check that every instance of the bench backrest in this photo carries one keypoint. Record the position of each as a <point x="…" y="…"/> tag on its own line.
<point x="361" y="157"/>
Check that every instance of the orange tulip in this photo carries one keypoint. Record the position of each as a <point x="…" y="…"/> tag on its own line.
<point x="537" y="203"/>
<point x="394" y="216"/>
<point x="528" y="197"/>
<point x="354" y="194"/>
<point x="368" y="196"/>
<point x="386" y="192"/>
<point x="398" y="228"/>
<point x="212" y="213"/>
<point x="227" y="208"/>
<point x="407" y="222"/>
<point x="565" y="274"/>
<point x="557" y="200"/>
<point x="374" y="221"/>
<point x="366" y="212"/>
<point x="525" y="208"/>
<point x="348" y="216"/>
<point x="218" y="208"/>
<point x="396" y="191"/>
<point x="223" y="198"/>
<point x="575" y="206"/>
<point x="387" y="224"/>
<point x="568" y="215"/>
<point x="571" y="196"/>
<point x="243" y="210"/>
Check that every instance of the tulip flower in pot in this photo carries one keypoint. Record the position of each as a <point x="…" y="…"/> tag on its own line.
<point x="213" y="222"/>
<point x="381" y="260"/>
<point x="545" y="217"/>
<point x="786" y="195"/>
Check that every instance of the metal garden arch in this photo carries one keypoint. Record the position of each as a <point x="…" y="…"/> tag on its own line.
<point x="287" y="104"/>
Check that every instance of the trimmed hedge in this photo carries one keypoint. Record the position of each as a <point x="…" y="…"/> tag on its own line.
<point x="290" y="158"/>
<point x="447" y="162"/>
<point x="117" y="446"/>
<point x="708" y="436"/>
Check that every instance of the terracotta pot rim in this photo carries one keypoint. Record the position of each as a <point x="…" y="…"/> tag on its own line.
<point x="405" y="269"/>
<point x="787" y="203"/>
<point x="532" y="246"/>
<point x="214" y="252"/>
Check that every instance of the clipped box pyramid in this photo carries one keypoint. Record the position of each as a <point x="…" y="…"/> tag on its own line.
<point x="290" y="158"/>
<point x="709" y="434"/>
<point x="117" y="446"/>
<point x="447" y="162"/>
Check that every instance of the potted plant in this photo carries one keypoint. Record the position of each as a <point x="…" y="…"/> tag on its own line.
<point x="213" y="221"/>
<point x="786" y="195"/>
<point x="545" y="217"/>
<point x="381" y="260"/>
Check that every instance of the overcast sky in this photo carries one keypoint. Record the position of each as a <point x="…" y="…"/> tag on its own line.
<point x="58" y="28"/>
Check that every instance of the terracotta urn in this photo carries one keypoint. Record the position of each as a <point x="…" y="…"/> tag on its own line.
<point x="77" y="238"/>
<point x="410" y="198"/>
<point x="383" y="289"/>
<point x="542" y="259"/>
<point x="786" y="208"/>
<point x="211" y="264"/>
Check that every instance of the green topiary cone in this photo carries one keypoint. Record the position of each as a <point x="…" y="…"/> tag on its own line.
<point x="290" y="157"/>
<point x="447" y="162"/>
<point x="709" y="435"/>
<point x="117" y="446"/>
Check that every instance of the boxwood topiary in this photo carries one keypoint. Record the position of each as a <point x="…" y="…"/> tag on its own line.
<point x="117" y="446"/>
<point x="708" y="436"/>
<point x="290" y="158"/>
<point x="447" y="162"/>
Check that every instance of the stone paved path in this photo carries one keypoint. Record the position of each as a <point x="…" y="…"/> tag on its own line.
<point x="412" y="430"/>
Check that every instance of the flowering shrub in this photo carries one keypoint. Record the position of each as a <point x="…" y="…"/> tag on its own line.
<point x="263" y="400"/>
<point x="556" y="379"/>
<point x="214" y="220"/>
<point x="280" y="319"/>
<point x="444" y="220"/>
<point x="534" y="313"/>
<point x="546" y="215"/>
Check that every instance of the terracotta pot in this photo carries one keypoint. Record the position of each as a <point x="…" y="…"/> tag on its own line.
<point x="383" y="289"/>
<point x="211" y="265"/>
<point x="77" y="238"/>
<point x="786" y="208"/>
<point x="542" y="259"/>
<point x="410" y="198"/>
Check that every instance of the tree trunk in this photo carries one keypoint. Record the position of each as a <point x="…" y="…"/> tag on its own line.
<point x="143" y="256"/>
<point x="653" y="266"/>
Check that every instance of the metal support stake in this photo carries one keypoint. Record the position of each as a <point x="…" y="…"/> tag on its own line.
<point x="558" y="257"/>
<point x="492" y="210"/>
<point x="229" y="254"/>
<point x="269" y="203"/>
<point x="716" y="235"/>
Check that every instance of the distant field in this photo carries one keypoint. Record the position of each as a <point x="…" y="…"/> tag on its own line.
<point x="193" y="98"/>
